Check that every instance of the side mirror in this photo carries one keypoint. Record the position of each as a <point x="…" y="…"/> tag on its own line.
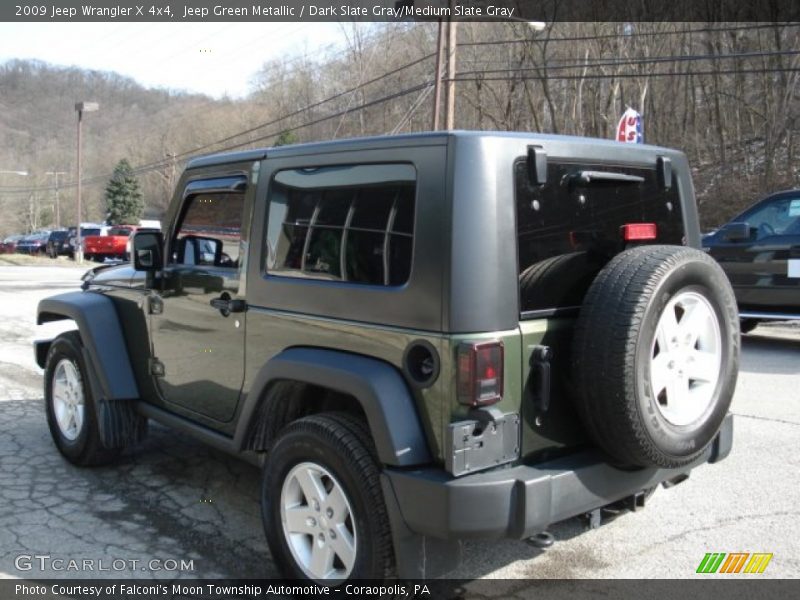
<point x="147" y="251"/>
<point x="736" y="232"/>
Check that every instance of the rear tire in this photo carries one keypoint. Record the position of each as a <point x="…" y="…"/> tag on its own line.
<point x="322" y="505"/>
<point x="70" y="406"/>
<point x="655" y="355"/>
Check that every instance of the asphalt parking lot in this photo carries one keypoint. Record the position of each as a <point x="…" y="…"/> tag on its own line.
<point x="173" y="499"/>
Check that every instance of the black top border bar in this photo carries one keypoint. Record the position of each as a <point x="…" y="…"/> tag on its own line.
<point x="707" y="11"/>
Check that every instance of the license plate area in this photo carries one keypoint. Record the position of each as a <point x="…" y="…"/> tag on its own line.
<point x="473" y="445"/>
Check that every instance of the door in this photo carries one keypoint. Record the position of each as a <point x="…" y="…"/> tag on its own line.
<point x="764" y="269"/>
<point x="198" y="319"/>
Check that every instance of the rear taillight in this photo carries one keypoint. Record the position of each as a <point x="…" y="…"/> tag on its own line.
<point x="480" y="373"/>
<point x="637" y="232"/>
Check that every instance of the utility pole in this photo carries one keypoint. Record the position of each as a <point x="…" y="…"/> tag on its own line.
<point x="437" y="86"/>
<point x="452" y="43"/>
<point x="58" y="200"/>
<point x="447" y="29"/>
<point x="81" y="107"/>
<point x="452" y="40"/>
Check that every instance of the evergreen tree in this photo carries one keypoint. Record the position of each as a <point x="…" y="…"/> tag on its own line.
<point x="123" y="197"/>
<point x="286" y="138"/>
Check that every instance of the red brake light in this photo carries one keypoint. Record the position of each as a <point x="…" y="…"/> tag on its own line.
<point x="637" y="232"/>
<point x="480" y="373"/>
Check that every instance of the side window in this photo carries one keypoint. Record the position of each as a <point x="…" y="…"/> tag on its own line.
<point x="346" y="223"/>
<point x="776" y="217"/>
<point x="209" y="231"/>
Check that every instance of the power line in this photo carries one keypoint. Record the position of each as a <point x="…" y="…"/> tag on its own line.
<point x="147" y="167"/>
<point x="335" y="115"/>
<point x="639" y="61"/>
<point x="305" y="108"/>
<point x="635" y="34"/>
<point x="630" y="75"/>
<point x="155" y="166"/>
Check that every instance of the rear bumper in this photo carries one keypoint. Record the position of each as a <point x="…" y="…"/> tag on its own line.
<point x="524" y="500"/>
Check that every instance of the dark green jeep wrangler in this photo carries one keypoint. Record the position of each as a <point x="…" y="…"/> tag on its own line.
<point x="422" y="338"/>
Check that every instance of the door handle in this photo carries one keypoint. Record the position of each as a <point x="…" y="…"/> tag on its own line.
<point x="227" y="305"/>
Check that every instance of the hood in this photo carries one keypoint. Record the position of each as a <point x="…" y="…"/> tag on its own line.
<point x="116" y="275"/>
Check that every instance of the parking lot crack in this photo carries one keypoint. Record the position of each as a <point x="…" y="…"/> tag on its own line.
<point x="770" y="419"/>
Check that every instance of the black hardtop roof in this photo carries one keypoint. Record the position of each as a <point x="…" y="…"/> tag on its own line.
<point x="430" y="138"/>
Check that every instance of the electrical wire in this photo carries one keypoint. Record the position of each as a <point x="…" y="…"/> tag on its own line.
<point x="623" y="36"/>
<point x="631" y="75"/>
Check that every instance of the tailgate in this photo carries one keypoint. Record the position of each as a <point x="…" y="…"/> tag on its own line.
<point x="568" y="229"/>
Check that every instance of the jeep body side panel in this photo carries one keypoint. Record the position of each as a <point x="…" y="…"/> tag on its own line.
<point x="270" y="332"/>
<point x="102" y="336"/>
<point x="377" y="386"/>
<point x="483" y="272"/>
<point x="370" y="320"/>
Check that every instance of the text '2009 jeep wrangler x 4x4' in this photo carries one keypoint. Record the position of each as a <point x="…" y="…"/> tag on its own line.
<point x="423" y="339"/>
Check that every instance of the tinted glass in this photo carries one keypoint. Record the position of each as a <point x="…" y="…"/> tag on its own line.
<point x="119" y="231"/>
<point x="210" y="230"/>
<point x="773" y="217"/>
<point x="567" y="231"/>
<point x="346" y="223"/>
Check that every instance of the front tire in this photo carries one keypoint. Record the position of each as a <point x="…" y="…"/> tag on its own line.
<point x="321" y="502"/>
<point x="70" y="406"/>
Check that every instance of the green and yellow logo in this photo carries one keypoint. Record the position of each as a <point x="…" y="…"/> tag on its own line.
<point x="734" y="562"/>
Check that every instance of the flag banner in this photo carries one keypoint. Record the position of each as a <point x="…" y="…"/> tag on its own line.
<point x="630" y="128"/>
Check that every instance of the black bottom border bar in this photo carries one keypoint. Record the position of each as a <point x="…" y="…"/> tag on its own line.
<point x="744" y="587"/>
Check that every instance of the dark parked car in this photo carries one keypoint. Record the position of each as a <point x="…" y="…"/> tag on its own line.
<point x="35" y="243"/>
<point x="759" y="250"/>
<point x="85" y="232"/>
<point x="58" y="243"/>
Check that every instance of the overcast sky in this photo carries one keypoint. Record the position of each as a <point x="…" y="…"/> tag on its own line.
<point x="210" y="58"/>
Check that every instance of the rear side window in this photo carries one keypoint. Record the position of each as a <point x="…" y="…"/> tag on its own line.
<point x="567" y="230"/>
<point x="352" y="223"/>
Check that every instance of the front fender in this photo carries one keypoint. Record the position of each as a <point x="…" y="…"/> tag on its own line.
<point x="101" y="335"/>
<point x="377" y="386"/>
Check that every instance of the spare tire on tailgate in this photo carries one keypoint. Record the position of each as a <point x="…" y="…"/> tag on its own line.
<point x="655" y="355"/>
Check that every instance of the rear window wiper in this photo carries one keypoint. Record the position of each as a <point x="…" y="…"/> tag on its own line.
<point x="589" y="177"/>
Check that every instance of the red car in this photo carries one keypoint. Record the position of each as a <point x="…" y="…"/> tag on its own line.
<point x="9" y="245"/>
<point x="113" y="245"/>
